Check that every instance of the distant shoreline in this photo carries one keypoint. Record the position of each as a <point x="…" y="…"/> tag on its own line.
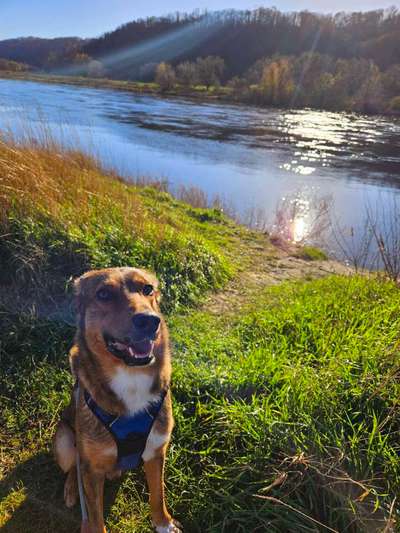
<point x="221" y="94"/>
<point x="200" y="93"/>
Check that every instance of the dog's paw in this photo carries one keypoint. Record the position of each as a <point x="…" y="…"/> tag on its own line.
<point x="172" y="527"/>
<point x="70" y="497"/>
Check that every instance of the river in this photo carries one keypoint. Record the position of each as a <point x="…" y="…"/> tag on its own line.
<point x="252" y="158"/>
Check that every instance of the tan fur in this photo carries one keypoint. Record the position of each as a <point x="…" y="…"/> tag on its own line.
<point x="117" y="388"/>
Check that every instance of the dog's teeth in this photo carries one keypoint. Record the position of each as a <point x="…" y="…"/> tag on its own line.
<point x="131" y="352"/>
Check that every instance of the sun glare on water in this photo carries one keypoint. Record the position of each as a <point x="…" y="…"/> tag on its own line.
<point x="299" y="229"/>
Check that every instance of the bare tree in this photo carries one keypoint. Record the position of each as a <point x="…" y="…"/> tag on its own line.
<point x="186" y="73"/>
<point x="299" y="219"/>
<point x="210" y="70"/>
<point x="384" y="224"/>
<point x="354" y="245"/>
<point x="165" y="76"/>
<point x="192" y="195"/>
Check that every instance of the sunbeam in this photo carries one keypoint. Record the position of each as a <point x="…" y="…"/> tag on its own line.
<point x="167" y="47"/>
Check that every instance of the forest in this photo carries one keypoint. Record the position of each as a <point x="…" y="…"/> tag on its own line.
<point x="38" y="52"/>
<point x="341" y="61"/>
<point x="243" y="37"/>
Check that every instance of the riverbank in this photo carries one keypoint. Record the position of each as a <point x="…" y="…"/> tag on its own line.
<point x="195" y="92"/>
<point x="222" y="93"/>
<point x="285" y="369"/>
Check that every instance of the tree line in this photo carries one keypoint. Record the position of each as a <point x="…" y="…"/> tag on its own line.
<point x="310" y="80"/>
<point x="206" y="71"/>
<point x="241" y="38"/>
<point x="12" y="66"/>
<point x="40" y="53"/>
<point x="263" y="56"/>
<point x="320" y="81"/>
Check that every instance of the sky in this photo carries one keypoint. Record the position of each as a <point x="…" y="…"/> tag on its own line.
<point x="90" y="18"/>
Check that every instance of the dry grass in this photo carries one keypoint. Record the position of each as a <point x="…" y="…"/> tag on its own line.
<point x="94" y="219"/>
<point x="50" y="179"/>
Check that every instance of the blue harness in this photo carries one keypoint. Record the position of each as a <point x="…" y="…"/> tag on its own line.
<point x="129" y="432"/>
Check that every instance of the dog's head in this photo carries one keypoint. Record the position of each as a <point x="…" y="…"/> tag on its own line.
<point x="119" y="315"/>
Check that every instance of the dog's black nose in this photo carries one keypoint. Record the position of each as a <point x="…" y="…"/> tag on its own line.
<point x="146" y="323"/>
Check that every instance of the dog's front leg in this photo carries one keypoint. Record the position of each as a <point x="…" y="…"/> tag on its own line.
<point x="93" y="484"/>
<point x="162" y="521"/>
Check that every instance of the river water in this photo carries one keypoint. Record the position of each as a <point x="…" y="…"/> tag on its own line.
<point x="251" y="158"/>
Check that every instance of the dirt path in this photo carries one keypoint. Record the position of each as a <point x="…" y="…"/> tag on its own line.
<point x="269" y="266"/>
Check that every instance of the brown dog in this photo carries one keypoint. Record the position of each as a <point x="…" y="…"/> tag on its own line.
<point x="121" y="361"/>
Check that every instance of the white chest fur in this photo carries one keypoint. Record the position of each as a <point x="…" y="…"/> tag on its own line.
<point x="133" y="388"/>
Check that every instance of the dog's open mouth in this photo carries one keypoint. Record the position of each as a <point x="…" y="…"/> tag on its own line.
<point x="137" y="353"/>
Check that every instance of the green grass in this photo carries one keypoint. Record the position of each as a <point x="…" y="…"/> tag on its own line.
<point x="295" y="387"/>
<point x="286" y="409"/>
<point x="310" y="253"/>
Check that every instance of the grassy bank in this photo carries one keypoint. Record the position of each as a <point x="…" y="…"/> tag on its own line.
<point x="285" y="397"/>
<point x="196" y="91"/>
<point x="62" y="215"/>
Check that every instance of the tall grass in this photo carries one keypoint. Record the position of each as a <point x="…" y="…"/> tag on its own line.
<point x="61" y="214"/>
<point x="296" y="400"/>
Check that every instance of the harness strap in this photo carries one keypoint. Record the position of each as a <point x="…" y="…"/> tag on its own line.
<point x="130" y="433"/>
<point x="130" y="443"/>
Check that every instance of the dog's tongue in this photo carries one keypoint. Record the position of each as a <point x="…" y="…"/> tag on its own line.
<point x="140" y="349"/>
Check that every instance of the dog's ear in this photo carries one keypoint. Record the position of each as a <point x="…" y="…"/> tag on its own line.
<point x="81" y="288"/>
<point x="85" y="286"/>
<point x="79" y="294"/>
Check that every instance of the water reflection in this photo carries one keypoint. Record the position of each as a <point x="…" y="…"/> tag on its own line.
<point x="317" y="139"/>
<point x="299" y="229"/>
<point x="302" y="217"/>
<point x="297" y="168"/>
<point x="342" y="140"/>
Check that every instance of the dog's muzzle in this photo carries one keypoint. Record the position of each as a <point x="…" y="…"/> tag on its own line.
<point x="137" y="350"/>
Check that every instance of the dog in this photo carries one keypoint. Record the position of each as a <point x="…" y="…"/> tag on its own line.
<point x="120" y="412"/>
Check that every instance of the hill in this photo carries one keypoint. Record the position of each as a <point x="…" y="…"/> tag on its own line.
<point x="285" y="386"/>
<point x="38" y="52"/>
<point x="241" y="38"/>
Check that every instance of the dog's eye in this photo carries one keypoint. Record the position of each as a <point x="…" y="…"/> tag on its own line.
<point x="104" y="295"/>
<point x="148" y="290"/>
